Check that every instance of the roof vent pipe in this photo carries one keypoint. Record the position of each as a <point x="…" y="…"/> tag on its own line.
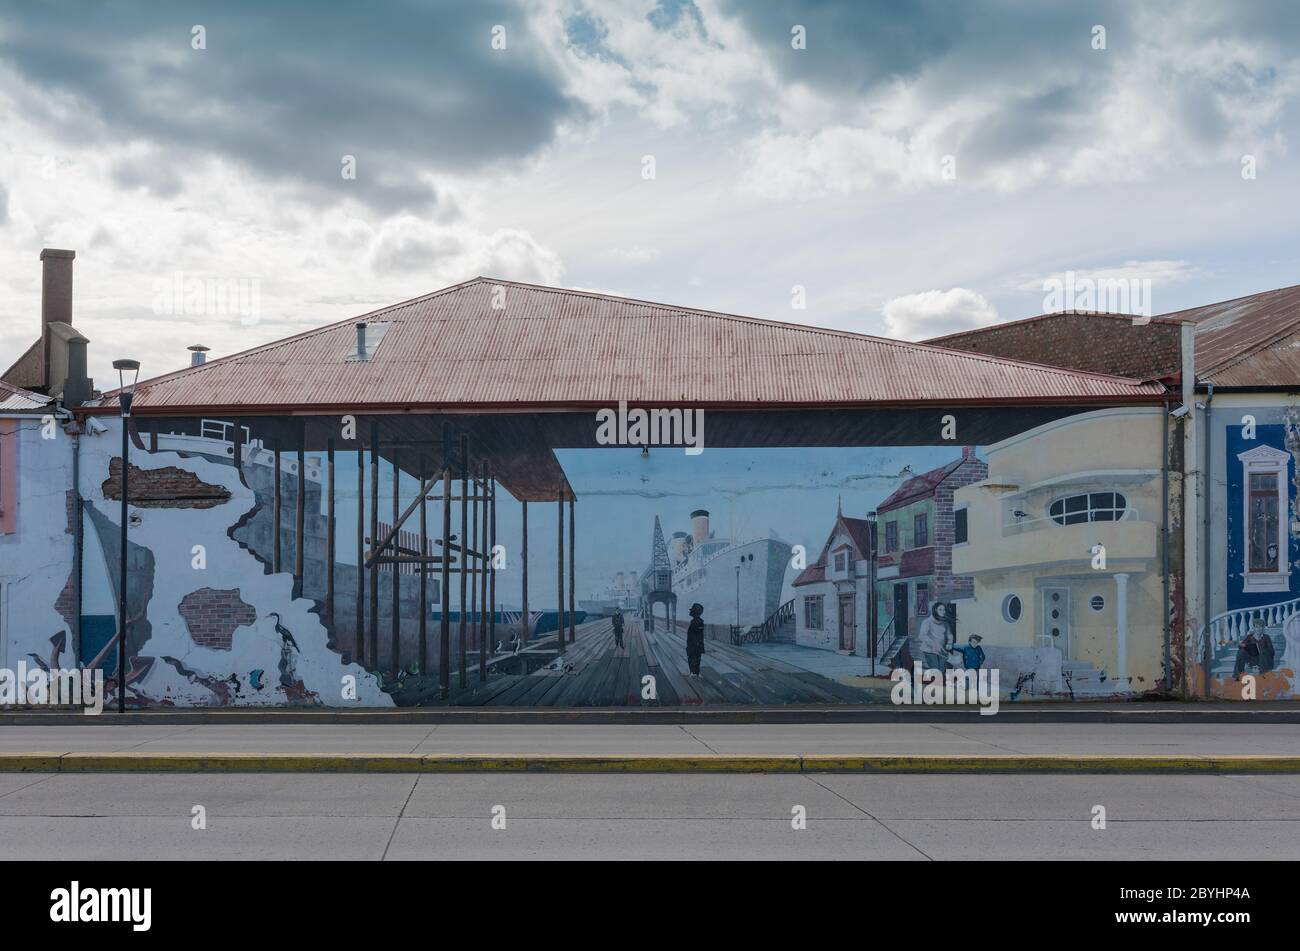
<point x="361" y="340"/>
<point x="198" y="355"/>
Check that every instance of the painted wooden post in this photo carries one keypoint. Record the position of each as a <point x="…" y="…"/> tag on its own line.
<point x="275" y="508"/>
<point x="464" y="536"/>
<point x="360" y="636"/>
<point x="487" y="645"/>
<point x="492" y="581"/>
<point x="397" y="573"/>
<point x="444" y="647"/>
<point x="330" y="542"/>
<point x="573" y="634"/>
<point x="299" y="514"/>
<point x="525" y="629"/>
<point x="424" y="572"/>
<point x="470" y="544"/>
<point x="374" y="540"/>
<point x="559" y="572"/>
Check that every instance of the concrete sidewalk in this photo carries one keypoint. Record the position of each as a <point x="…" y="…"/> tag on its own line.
<point x="827" y="747"/>
<point x="1092" y="711"/>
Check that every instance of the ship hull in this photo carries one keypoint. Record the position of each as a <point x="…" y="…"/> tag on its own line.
<point x="746" y="598"/>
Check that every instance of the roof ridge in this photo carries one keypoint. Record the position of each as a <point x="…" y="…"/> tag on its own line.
<point x="283" y="341"/>
<point x="1231" y="300"/>
<point x="1047" y="316"/>
<point x="812" y="328"/>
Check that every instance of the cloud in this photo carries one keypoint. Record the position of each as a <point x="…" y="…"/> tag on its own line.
<point x="411" y="89"/>
<point x="1157" y="272"/>
<point x="442" y="255"/>
<point x="935" y="313"/>
<point x="1014" y="93"/>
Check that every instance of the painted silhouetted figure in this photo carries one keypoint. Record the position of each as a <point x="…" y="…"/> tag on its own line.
<point x="1256" y="651"/>
<point x="618" y="628"/>
<point x="695" y="639"/>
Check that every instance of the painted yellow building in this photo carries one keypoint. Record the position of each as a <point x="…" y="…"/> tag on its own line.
<point x="1063" y="541"/>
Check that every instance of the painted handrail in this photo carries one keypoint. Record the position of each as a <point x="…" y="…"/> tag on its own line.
<point x="1231" y="626"/>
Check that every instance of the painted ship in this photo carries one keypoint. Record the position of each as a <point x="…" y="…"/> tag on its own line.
<point x="620" y="594"/>
<point x="737" y="581"/>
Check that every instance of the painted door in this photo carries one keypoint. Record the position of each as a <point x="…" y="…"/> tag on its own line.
<point x="1056" y="619"/>
<point x="900" y="611"/>
<point x="846" y="622"/>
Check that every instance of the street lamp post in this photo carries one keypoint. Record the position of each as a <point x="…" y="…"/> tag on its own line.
<point x="125" y="369"/>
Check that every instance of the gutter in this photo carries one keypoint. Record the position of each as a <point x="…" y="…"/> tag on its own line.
<point x="1205" y="538"/>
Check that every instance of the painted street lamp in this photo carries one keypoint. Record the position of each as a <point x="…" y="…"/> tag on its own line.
<point x="128" y="371"/>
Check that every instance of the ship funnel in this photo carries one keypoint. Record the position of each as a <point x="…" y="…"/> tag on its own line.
<point x="700" y="525"/>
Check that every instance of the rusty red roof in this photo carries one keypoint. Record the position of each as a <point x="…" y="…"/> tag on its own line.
<point x="1249" y="341"/>
<point x="14" y="399"/>
<point x="495" y="344"/>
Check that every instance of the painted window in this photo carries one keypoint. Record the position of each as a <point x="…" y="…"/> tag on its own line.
<point x="812" y="612"/>
<point x="922" y="600"/>
<point x="891" y="536"/>
<point x="960" y="527"/>
<point x="921" y="530"/>
<point x="1011" y="608"/>
<point x="841" y="561"/>
<point x="1262" y="511"/>
<point x="1265" y="566"/>
<point x="1088" y="507"/>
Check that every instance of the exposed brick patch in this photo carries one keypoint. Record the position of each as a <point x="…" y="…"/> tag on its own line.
<point x="169" y="488"/>
<point x="212" y="614"/>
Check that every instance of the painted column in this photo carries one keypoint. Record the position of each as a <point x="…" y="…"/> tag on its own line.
<point x="1121" y="626"/>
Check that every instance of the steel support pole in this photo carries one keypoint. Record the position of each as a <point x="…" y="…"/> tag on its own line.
<point x="122" y="574"/>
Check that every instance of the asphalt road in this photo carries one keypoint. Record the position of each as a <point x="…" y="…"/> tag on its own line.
<point x="695" y="816"/>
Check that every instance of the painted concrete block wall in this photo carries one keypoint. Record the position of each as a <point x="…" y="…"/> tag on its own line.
<point x="261" y="666"/>
<point x="36" y="559"/>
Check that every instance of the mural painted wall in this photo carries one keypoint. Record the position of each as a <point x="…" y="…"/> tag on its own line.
<point x="1254" y="628"/>
<point x="815" y="571"/>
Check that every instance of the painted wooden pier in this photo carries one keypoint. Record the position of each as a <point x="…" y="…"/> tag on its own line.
<point x="594" y="672"/>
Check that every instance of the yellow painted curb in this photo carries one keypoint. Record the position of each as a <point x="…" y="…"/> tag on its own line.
<point x="1053" y="763"/>
<point x="146" y="762"/>
<point x="562" y="763"/>
<point x="29" y="762"/>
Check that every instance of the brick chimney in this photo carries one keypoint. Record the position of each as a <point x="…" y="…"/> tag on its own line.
<point x="56" y="286"/>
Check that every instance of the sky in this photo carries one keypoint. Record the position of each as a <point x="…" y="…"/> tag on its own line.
<point x="896" y="169"/>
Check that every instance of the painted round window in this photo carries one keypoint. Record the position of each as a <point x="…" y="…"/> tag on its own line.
<point x="1011" y="608"/>
<point x="1097" y="603"/>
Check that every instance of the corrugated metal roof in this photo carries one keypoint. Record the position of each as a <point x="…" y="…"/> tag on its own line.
<point x="15" y="400"/>
<point x="548" y="347"/>
<point x="1248" y="341"/>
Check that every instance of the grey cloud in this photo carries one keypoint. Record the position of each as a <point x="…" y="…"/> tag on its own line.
<point x="1030" y="63"/>
<point x="151" y="174"/>
<point x="4" y="204"/>
<point x="408" y="88"/>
